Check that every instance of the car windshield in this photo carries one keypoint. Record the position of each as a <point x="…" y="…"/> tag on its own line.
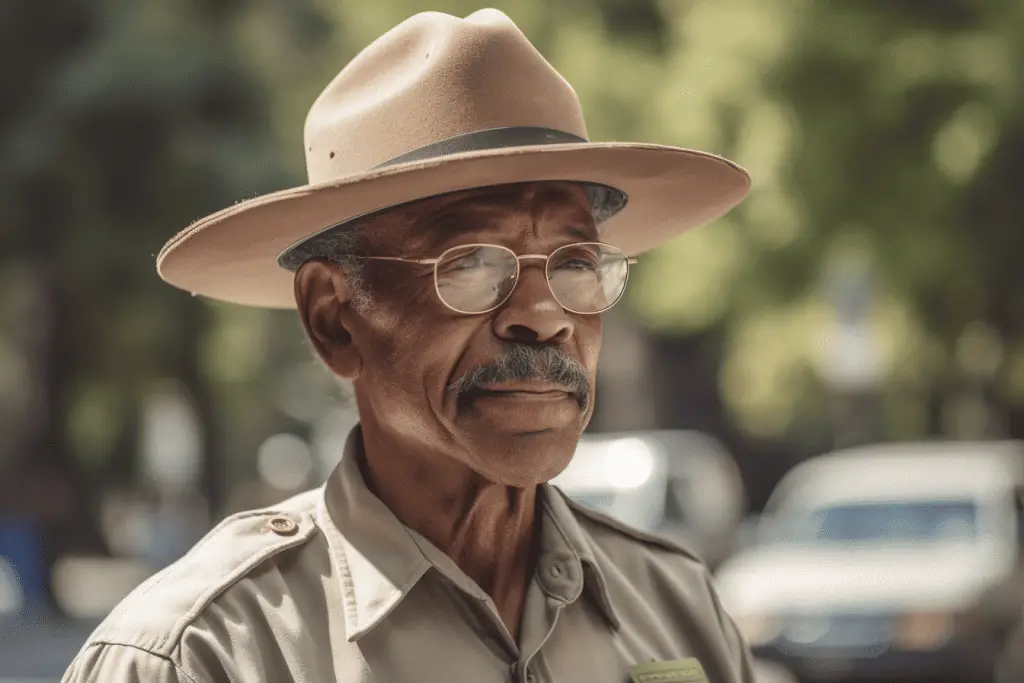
<point x="910" y="521"/>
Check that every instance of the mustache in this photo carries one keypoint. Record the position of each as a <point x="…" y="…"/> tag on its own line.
<point x="526" y="362"/>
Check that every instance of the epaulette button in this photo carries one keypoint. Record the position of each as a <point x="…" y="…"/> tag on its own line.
<point x="282" y="526"/>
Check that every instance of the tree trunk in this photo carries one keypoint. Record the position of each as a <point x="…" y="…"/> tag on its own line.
<point x="195" y="319"/>
<point x="48" y="488"/>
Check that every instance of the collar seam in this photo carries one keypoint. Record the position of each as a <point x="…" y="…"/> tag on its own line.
<point x="340" y="558"/>
<point x="354" y="622"/>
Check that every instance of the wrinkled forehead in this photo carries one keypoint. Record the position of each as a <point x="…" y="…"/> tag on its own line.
<point x="564" y="201"/>
<point x="536" y="197"/>
<point x="429" y="223"/>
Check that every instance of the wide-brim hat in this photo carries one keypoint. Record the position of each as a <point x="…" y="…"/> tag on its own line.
<point x="436" y="105"/>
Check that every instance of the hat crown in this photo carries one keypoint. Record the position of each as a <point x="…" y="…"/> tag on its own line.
<point x="434" y="77"/>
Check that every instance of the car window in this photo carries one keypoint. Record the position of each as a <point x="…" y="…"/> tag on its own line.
<point x="10" y="589"/>
<point x="909" y="521"/>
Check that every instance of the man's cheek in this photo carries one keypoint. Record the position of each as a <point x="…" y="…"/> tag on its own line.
<point x="591" y="350"/>
<point x="413" y="294"/>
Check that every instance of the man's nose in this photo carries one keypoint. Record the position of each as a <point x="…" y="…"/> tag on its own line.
<point x="532" y="315"/>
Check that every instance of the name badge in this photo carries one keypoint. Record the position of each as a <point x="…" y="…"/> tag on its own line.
<point x="674" y="671"/>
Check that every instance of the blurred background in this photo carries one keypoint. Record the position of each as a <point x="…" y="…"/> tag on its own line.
<point x="868" y="292"/>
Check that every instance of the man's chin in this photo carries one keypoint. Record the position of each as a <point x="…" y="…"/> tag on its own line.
<point x="521" y="475"/>
<point x="522" y="458"/>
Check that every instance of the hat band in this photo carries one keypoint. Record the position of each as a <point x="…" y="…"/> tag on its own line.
<point x="605" y="201"/>
<point x="492" y="138"/>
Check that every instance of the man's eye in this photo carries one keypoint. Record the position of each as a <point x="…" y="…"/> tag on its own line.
<point x="465" y="263"/>
<point x="578" y="264"/>
<point x="581" y="264"/>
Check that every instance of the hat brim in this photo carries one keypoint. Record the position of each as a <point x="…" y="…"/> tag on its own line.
<point x="232" y="255"/>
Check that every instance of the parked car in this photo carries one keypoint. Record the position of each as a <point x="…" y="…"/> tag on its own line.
<point x="868" y="560"/>
<point x="682" y="484"/>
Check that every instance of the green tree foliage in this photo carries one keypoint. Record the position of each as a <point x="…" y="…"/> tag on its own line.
<point x="119" y="124"/>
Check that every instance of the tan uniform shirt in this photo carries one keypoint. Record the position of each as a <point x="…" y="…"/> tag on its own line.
<point x="330" y="587"/>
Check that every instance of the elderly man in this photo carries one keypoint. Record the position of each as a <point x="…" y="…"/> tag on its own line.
<point x="451" y="257"/>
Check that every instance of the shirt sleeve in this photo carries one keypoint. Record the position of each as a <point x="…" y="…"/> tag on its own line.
<point x="111" y="663"/>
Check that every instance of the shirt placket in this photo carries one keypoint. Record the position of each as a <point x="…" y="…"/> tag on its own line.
<point x="557" y="582"/>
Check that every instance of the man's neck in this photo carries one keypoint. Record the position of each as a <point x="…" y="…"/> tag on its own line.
<point x="487" y="529"/>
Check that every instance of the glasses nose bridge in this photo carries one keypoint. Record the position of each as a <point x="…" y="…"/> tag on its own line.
<point x="528" y="257"/>
<point x="532" y="257"/>
<point x="519" y="261"/>
<point x="543" y="261"/>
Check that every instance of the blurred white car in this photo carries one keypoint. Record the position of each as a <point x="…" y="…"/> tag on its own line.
<point x="11" y="597"/>
<point x="866" y="559"/>
<point x="682" y="484"/>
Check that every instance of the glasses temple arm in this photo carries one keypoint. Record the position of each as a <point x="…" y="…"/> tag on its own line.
<point x="422" y="261"/>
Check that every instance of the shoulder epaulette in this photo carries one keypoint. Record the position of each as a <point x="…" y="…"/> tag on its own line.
<point x="156" y="613"/>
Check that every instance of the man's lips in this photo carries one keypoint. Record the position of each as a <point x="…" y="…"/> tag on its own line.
<point x="525" y="390"/>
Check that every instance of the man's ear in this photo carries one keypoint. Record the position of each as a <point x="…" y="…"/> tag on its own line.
<point x="323" y="294"/>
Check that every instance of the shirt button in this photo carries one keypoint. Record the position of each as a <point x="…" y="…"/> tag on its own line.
<point x="530" y="678"/>
<point x="282" y="526"/>
<point x="555" y="570"/>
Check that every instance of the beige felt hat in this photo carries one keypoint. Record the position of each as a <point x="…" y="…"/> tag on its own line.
<point x="440" y="104"/>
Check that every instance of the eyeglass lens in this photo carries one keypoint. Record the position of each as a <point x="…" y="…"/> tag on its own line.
<point x="584" y="278"/>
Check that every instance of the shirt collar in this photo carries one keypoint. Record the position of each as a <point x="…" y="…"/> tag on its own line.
<point x="379" y="560"/>
<point x="562" y="535"/>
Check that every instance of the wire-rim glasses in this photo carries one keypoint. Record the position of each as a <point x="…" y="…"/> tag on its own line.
<point x="584" y="277"/>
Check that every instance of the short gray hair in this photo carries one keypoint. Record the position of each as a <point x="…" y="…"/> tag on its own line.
<point x="343" y="248"/>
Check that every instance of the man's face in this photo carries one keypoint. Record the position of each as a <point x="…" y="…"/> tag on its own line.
<point x="429" y="378"/>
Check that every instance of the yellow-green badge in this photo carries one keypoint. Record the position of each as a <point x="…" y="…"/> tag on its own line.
<point x="675" y="671"/>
